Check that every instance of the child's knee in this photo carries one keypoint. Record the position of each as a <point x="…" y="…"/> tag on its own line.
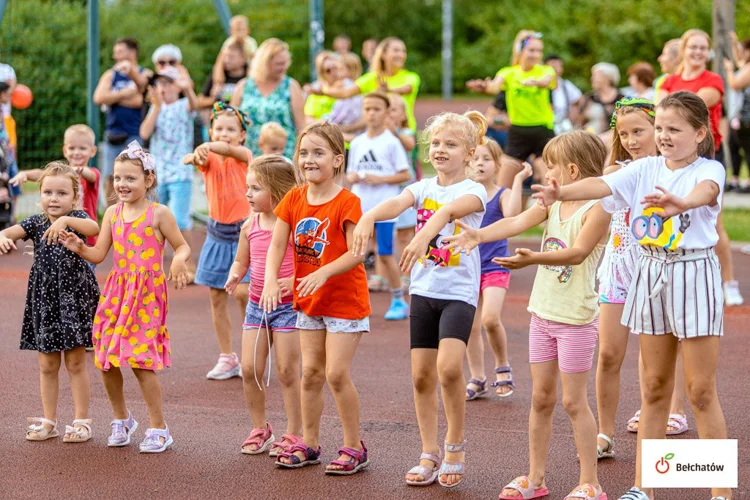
<point x="287" y="374"/>
<point x="491" y="322"/>
<point x="337" y="378"/>
<point x="574" y="405"/>
<point x="450" y="373"/>
<point x="423" y="381"/>
<point x="217" y="297"/>
<point x="75" y="364"/>
<point x="610" y="359"/>
<point x="248" y="370"/>
<point x="654" y="389"/>
<point x="543" y="401"/>
<point x="49" y="365"/>
<point x="701" y="393"/>
<point x="312" y="378"/>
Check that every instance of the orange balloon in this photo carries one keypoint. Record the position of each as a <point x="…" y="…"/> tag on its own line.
<point x="21" y="98"/>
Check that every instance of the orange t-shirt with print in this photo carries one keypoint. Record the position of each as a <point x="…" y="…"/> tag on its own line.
<point x="320" y="238"/>
<point x="226" y="187"/>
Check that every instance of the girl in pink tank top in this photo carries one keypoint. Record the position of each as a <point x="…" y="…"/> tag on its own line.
<point x="269" y="178"/>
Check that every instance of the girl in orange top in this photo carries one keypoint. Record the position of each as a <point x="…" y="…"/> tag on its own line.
<point x="330" y="296"/>
<point x="223" y="163"/>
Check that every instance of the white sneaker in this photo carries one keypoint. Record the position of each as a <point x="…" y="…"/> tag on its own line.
<point x="732" y="295"/>
<point x="745" y="249"/>
<point x="227" y="367"/>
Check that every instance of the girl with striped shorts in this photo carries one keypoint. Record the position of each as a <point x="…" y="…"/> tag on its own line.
<point x="675" y="293"/>
<point x="564" y="320"/>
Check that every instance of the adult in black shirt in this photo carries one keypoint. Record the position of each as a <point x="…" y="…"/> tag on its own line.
<point x="235" y="69"/>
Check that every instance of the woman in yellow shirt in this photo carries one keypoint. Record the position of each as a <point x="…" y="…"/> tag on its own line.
<point x="527" y="85"/>
<point x="387" y="73"/>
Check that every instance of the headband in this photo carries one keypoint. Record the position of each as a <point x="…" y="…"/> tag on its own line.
<point x="220" y="106"/>
<point x="636" y="102"/>
<point x="525" y="41"/>
<point x="134" y="151"/>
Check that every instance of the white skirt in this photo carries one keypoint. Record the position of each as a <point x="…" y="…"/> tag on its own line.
<point x="677" y="292"/>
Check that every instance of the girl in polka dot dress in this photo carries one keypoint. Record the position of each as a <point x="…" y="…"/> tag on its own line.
<point x="130" y="322"/>
<point x="60" y="302"/>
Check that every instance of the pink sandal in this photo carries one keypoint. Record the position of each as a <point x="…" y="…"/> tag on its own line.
<point x="262" y="438"/>
<point x="357" y="461"/>
<point x="586" y="492"/>
<point x="287" y="441"/>
<point x="679" y="424"/>
<point x="525" y="487"/>
<point x="311" y="457"/>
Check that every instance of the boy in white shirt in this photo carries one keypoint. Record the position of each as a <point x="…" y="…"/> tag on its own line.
<point x="377" y="165"/>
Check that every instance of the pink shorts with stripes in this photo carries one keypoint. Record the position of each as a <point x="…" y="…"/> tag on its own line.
<point x="572" y="346"/>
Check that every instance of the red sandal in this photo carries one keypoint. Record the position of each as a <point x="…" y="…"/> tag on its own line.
<point x="358" y="461"/>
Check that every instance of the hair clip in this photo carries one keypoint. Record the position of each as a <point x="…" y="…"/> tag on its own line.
<point x="637" y="102"/>
<point x="134" y="151"/>
<point x="220" y="106"/>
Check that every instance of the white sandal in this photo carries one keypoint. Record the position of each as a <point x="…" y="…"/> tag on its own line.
<point x="37" y="431"/>
<point x="609" y="452"/>
<point x="79" y="432"/>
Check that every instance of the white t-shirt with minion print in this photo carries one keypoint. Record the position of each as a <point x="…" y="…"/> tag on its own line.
<point x="692" y="230"/>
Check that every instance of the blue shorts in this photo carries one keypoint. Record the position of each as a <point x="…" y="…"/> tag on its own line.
<point x="176" y="196"/>
<point x="384" y="237"/>
<point x="217" y="255"/>
<point x="283" y="319"/>
<point x="110" y="152"/>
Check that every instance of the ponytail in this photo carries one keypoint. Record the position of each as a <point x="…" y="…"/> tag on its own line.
<point x="480" y="124"/>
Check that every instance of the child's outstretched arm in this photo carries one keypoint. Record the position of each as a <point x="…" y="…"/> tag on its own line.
<point x="470" y="238"/>
<point x="595" y="230"/>
<point x="511" y="200"/>
<point x="98" y="252"/>
<point x="487" y="86"/>
<point x="346" y="262"/>
<point x="86" y="173"/>
<point x="86" y="227"/>
<point x="225" y="149"/>
<point x="32" y="175"/>
<point x="8" y="237"/>
<point x="271" y="296"/>
<point x="592" y="188"/>
<point x="387" y="210"/>
<point x="705" y="193"/>
<point x="453" y="211"/>
<point x="167" y="225"/>
<point x="241" y="262"/>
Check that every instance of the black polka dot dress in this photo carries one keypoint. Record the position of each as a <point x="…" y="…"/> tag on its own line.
<point x="62" y="295"/>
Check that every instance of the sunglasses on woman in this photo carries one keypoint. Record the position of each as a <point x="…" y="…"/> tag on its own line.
<point x="170" y="62"/>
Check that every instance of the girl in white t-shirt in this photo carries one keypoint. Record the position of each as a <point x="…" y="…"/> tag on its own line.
<point x="675" y="293"/>
<point x="444" y="287"/>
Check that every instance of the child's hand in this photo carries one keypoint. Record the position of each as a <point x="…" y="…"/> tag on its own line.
<point x="530" y="83"/>
<point x="415" y="250"/>
<point x="184" y="81"/>
<point x="478" y="85"/>
<point x="373" y="180"/>
<point x="312" y="89"/>
<point x="6" y="245"/>
<point x="232" y="281"/>
<point x="525" y="172"/>
<point x="383" y="83"/>
<point x="312" y="282"/>
<point x="362" y="235"/>
<point x="52" y="234"/>
<point x="547" y="195"/>
<point x="71" y="241"/>
<point x="524" y="257"/>
<point x="18" y="179"/>
<point x="286" y="284"/>
<point x="671" y="204"/>
<point x="466" y="240"/>
<point x="353" y="178"/>
<point x="188" y="159"/>
<point x="200" y="155"/>
<point x="271" y="296"/>
<point x="728" y="66"/>
<point x="154" y="96"/>
<point x="178" y="273"/>
<point x="124" y="67"/>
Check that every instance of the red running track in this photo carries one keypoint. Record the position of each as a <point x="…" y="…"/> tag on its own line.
<point x="209" y="419"/>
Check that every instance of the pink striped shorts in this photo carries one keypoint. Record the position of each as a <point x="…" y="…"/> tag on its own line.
<point x="572" y="346"/>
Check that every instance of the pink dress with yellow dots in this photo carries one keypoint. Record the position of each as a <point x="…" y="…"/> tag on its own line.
<point x="130" y="322"/>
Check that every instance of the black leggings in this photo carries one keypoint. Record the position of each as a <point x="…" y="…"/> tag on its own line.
<point x="739" y="142"/>
<point x="432" y="320"/>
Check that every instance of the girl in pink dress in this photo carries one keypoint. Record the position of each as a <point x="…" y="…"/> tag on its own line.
<point x="130" y="322"/>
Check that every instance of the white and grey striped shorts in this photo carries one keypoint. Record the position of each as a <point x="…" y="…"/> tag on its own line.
<point x="677" y="292"/>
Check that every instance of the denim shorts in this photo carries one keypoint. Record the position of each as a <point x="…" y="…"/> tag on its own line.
<point x="176" y="196"/>
<point x="217" y="255"/>
<point x="283" y="319"/>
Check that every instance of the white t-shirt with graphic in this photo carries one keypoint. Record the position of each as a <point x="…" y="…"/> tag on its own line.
<point x="442" y="274"/>
<point x="692" y="230"/>
<point x="383" y="155"/>
<point x="172" y="140"/>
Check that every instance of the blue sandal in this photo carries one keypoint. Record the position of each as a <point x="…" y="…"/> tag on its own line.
<point x="471" y="394"/>
<point x="452" y="468"/>
<point x="312" y="457"/>
<point x="503" y="383"/>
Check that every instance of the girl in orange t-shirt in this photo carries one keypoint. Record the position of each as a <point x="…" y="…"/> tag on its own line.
<point x="331" y="296"/>
<point x="223" y="163"/>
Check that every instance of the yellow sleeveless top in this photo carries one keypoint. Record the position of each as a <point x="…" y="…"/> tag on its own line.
<point x="566" y="294"/>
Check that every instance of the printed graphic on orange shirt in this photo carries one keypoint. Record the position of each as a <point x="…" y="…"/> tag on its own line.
<point x="311" y="239"/>
<point x="436" y="253"/>
<point x="551" y="245"/>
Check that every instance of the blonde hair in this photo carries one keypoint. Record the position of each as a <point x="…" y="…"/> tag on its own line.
<point x="272" y="129"/>
<point x="321" y="59"/>
<point x="684" y="41"/>
<point x="469" y="128"/>
<point x="583" y="149"/>
<point x="79" y="129"/>
<point x="267" y="51"/>
<point x="619" y="153"/>
<point x="695" y="112"/>
<point x="331" y="134"/>
<point x="275" y="174"/>
<point x="397" y="98"/>
<point x="378" y="59"/>
<point x="496" y="153"/>
<point x="353" y="64"/>
<point x="61" y="169"/>
<point x="517" y="49"/>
